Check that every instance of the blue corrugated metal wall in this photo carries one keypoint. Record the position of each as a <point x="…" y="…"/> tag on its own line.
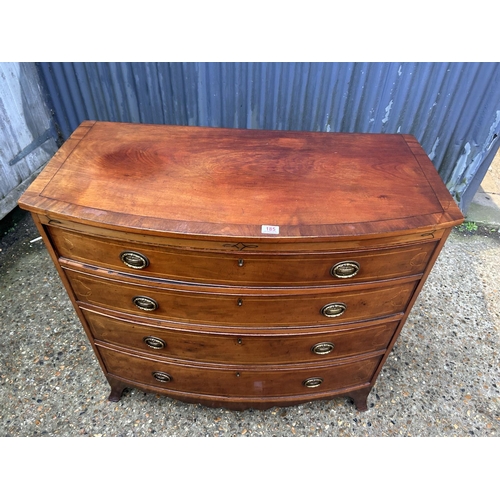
<point x="453" y="109"/>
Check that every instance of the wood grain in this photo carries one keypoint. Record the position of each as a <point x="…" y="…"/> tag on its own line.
<point x="207" y="181"/>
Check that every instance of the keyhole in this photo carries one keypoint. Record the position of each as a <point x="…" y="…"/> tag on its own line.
<point x="240" y="262"/>
<point x="240" y="302"/>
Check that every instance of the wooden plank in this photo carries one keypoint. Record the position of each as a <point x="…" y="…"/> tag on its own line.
<point x="24" y="117"/>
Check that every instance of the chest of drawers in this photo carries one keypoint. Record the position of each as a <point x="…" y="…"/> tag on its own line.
<point x="241" y="268"/>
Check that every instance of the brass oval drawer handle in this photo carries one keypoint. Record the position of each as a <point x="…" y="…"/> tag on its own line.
<point x="313" y="382"/>
<point x="334" y="309"/>
<point x="162" y="377"/>
<point x="154" y="342"/>
<point x="145" y="303"/>
<point x="134" y="260"/>
<point x="323" y="348"/>
<point x="345" y="269"/>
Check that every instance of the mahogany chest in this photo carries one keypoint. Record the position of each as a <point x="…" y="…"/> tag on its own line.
<point x="241" y="268"/>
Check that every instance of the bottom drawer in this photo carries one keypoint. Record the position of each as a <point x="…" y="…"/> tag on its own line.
<point x="238" y="381"/>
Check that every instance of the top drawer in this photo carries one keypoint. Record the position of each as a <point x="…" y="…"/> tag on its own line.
<point x="244" y="267"/>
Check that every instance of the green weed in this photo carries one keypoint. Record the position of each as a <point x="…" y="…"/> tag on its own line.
<point x="468" y="226"/>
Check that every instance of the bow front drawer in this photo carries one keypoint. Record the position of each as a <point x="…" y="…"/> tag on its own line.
<point x="248" y="267"/>
<point x="243" y="347"/>
<point x="238" y="380"/>
<point x="243" y="306"/>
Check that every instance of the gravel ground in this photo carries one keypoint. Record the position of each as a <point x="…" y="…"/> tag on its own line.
<point x="442" y="379"/>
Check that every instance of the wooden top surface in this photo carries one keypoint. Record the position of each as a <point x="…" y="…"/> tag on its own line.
<point x="230" y="182"/>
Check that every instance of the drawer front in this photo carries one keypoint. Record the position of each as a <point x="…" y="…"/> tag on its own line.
<point x="239" y="348"/>
<point x="238" y="380"/>
<point x="245" y="268"/>
<point x="259" y="308"/>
